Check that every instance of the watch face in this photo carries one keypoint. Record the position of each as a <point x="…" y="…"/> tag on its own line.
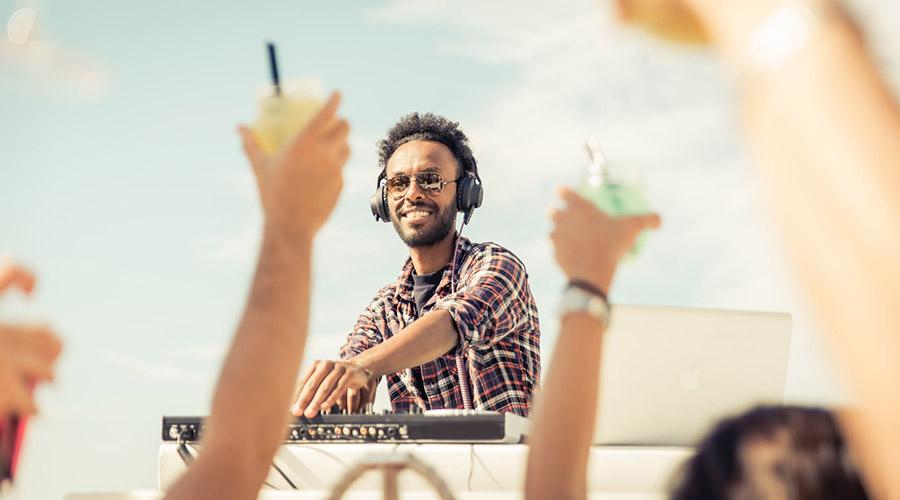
<point x="577" y="300"/>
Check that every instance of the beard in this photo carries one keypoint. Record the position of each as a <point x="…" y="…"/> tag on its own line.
<point x="428" y="234"/>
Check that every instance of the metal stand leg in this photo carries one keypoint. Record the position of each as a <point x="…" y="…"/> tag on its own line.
<point x="391" y="465"/>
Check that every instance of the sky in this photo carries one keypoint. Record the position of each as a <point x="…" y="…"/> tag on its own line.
<point x="123" y="185"/>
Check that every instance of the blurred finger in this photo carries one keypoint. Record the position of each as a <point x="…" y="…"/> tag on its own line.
<point x="325" y="115"/>
<point x="37" y="339"/>
<point x="343" y="153"/>
<point x="645" y="221"/>
<point x="573" y="199"/>
<point x="17" y="400"/>
<point x="32" y="366"/>
<point x="337" y="130"/>
<point x="252" y="150"/>
<point x="11" y="274"/>
<point x="554" y="213"/>
<point x="623" y="10"/>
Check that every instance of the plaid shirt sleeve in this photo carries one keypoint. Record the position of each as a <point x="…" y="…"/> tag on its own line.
<point x="366" y="334"/>
<point x="491" y="299"/>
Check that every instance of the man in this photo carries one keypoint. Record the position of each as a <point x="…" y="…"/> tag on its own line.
<point x="475" y="311"/>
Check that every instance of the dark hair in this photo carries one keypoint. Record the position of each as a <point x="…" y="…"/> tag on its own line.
<point x="428" y="127"/>
<point x="772" y="452"/>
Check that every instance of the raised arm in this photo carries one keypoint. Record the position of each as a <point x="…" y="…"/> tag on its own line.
<point x="825" y="131"/>
<point x="588" y="245"/>
<point x="298" y="190"/>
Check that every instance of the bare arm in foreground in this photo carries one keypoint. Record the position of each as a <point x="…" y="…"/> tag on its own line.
<point x="825" y="132"/>
<point x="588" y="245"/>
<point x="298" y="188"/>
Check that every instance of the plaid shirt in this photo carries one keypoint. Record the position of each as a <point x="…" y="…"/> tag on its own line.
<point x="497" y="321"/>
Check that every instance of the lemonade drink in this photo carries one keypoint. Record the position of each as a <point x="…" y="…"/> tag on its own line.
<point x="283" y="114"/>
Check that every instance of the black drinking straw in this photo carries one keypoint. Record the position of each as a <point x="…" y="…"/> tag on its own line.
<point x="273" y="66"/>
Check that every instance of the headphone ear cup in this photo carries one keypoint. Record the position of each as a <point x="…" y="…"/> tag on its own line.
<point x="469" y="194"/>
<point x="378" y="205"/>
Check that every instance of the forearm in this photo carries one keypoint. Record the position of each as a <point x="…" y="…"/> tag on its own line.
<point x="557" y="460"/>
<point x="427" y="338"/>
<point x="238" y="446"/>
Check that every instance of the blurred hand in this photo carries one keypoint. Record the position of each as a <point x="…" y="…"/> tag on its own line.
<point x="727" y="24"/>
<point x="588" y="243"/>
<point x="326" y="383"/>
<point x="27" y="352"/>
<point x="673" y="20"/>
<point x="299" y="185"/>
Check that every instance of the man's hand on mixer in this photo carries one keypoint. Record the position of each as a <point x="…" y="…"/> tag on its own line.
<point x="326" y="383"/>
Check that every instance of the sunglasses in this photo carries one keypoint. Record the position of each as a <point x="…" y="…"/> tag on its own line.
<point x="431" y="182"/>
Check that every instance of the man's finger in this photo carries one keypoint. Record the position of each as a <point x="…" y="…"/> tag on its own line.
<point x="326" y="387"/>
<point x="338" y="392"/>
<point x="353" y="400"/>
<point x="296" y="409"/>
<point x="11" y="274"/>
<point x="311" y="385"/>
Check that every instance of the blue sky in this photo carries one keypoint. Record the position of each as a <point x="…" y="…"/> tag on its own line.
<point x="130" y="196"/>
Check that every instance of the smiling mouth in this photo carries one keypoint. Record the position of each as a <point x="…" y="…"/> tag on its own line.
<point x="416" y="215"/>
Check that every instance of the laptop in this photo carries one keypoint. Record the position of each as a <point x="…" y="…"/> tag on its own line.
<point x="669" y="373"/>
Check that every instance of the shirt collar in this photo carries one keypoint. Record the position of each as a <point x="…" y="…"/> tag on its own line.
<point x="404" y="288"/>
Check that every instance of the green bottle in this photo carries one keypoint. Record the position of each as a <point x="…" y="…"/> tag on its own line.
<point x="613" y="191"/>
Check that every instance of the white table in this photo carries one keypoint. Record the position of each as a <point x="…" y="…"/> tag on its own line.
<point x="622" y="471"/>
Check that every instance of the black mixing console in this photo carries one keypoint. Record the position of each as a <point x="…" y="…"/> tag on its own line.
<point x="444" y="426"/>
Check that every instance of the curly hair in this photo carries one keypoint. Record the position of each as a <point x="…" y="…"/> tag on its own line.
<point x="428" y="127"/>
<point x="788" y="452"/>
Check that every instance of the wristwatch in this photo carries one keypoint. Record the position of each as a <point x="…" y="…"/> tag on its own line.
<point x="586" y="298"/>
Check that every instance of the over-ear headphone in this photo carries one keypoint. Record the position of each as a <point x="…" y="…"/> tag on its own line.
<point x="469" y="195"/>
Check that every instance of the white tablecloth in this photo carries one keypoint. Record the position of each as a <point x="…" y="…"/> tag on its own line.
<point x="621" y="470"/>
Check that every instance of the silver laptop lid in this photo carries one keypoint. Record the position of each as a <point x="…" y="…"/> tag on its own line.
<point x="669" y="373"/>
